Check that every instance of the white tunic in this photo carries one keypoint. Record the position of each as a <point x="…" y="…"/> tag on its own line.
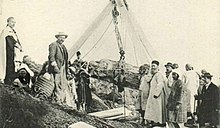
<point x="145" y="88"/>
<point x="191" y="81"/>
<point x="155" y="106"/>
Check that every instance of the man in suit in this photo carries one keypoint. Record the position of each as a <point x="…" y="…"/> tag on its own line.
<point x="208" y="109"/>
<point x="58" y="62"/>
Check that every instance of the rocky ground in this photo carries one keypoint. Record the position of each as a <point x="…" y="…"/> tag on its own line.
<point x="24" y="111"/>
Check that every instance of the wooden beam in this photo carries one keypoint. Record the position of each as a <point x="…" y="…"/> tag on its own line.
<point x="112" y="113"/>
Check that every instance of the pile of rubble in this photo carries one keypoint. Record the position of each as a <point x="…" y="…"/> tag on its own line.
<point x="104" y="68"/>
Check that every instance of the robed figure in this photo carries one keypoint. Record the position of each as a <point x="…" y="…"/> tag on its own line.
<point x="8" y="42"/>
<point x="155" y="104"/>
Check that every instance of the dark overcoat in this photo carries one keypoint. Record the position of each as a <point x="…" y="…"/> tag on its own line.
<point x="57" y="53"/>
<point x="208" y="109"/>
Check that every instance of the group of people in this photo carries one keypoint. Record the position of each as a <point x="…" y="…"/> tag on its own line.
<point x="179" y="99"/>
<point x="169" y="99"/>
<point x="66" y="83"/>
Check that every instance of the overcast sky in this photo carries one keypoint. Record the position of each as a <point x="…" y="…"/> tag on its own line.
<point x="182" y="31"/>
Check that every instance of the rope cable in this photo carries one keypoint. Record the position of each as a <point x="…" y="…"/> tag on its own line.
<point x="135" y="53"/>
<point x="98" y="40"/>
<point x="99" y="46"/>
<point x="145" y="47"/>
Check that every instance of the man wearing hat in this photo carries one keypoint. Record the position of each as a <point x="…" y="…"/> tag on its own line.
<point x="169" y="82"/>
<point x="155" y="112"/>
<point x="209" y="107"/>
<point x="169" y="67"/>
<point x="58" y="62"/>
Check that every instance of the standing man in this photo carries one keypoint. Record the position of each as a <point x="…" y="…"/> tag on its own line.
<point x="8" y="42"/>
<point x="168" y="85"/>
<point x="169" y="81"/>
<point x="209" y="107"/>
<point x="145" y="77"/>
<point x="58" y="62"/>
<point x="155" y="106"/>
<point x="191" y="81"/>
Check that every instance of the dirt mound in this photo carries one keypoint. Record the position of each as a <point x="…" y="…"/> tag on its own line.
<point x="24" y="111"/>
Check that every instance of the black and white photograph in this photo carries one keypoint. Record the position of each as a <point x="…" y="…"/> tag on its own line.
<point x="109" y="64"/>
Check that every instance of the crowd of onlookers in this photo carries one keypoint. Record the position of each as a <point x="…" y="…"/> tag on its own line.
<point x="180" y="98"/>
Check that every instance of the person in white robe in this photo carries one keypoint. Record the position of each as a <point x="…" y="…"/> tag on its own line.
<point x="155" y="107"/>
<point x="144" y="89"/>
<point x="191" y="81"/>
<point x="8" y="42"/>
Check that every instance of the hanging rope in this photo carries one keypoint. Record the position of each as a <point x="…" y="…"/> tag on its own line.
<point x="97" y="48"/>
<point x="145" y="48"/>
<point x="135" y="53"/>
<point x="98" y="40"/>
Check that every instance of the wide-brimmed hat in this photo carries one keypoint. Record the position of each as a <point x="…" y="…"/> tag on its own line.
<point x="61" y="34"/>
<point x="169" y="64"/>
<point x="207" y="75"/>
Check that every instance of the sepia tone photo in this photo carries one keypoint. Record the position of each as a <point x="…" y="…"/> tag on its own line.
<point x="109" y="64"/>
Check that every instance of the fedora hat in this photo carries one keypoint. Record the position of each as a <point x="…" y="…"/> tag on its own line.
<point x="169" y="64"/>
<point x="207" y="75"/>
<point x="61" y="34"/>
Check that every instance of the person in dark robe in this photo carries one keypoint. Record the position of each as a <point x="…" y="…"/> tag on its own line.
<point x="176" y="103"/>
<point x="9" y="41"/>
<point x="209" y="107"/>
<point x="83" y="90"/>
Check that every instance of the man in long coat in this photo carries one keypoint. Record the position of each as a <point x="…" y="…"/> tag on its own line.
<point x="169" y="81"/>
<point x="209" y="107"/>
<point x="58" y="62"/>
<point x="191" y="81"/>
<point x="8" y="42"/>
<point x="155" y="103"/>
